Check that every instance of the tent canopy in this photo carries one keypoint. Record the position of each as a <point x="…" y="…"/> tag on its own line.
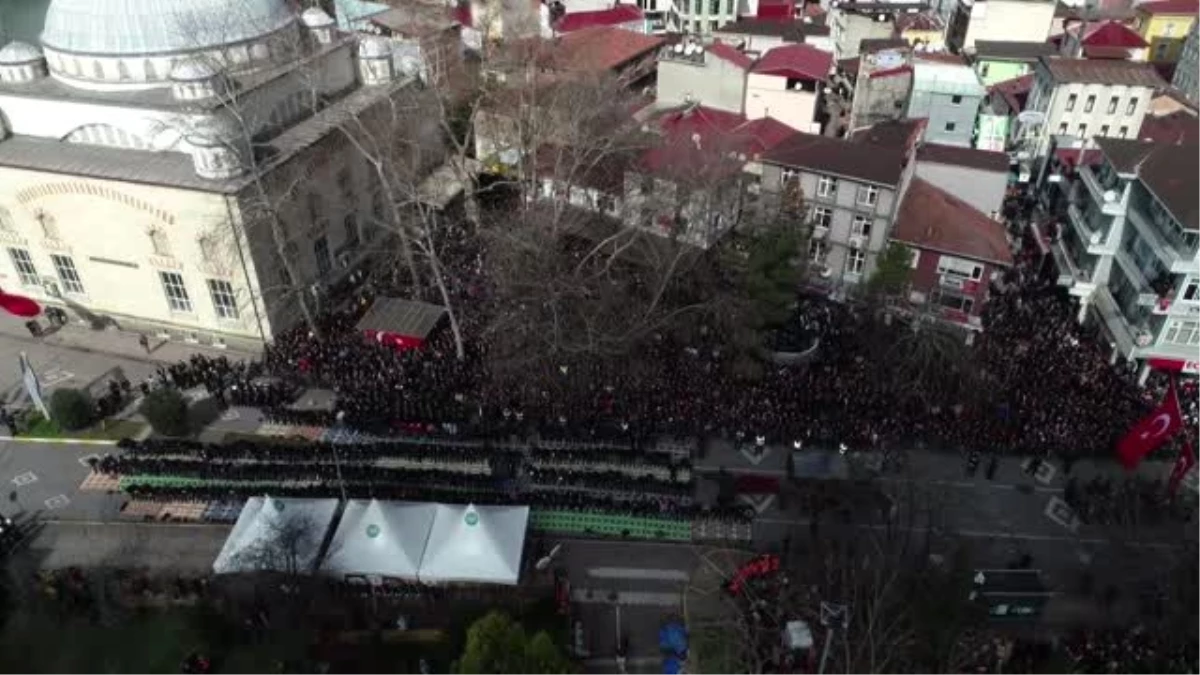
<point x="279" y="535"/>
<point x="384" y="539"/>
<point x="408" y="318"/>
<point x="475" y="544"/>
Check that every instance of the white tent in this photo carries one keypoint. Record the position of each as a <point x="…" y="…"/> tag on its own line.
<point x="481" y="544"/>
<point x="281" y="535"/>
<point x="385" y="539"/>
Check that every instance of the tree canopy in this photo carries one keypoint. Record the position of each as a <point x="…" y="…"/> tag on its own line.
<point x="497" y="644"/>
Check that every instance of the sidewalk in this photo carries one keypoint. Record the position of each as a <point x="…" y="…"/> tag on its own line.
<point x="113" y="342"/>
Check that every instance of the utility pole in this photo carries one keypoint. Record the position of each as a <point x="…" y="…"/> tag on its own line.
<point x="831" y="614"/>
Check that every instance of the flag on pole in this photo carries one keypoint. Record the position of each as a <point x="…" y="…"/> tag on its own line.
<point x="1151" y="432"/>
<point x="19" y="305"/>
<point x="32" y="386"/>
<point x="1184" y="464"/>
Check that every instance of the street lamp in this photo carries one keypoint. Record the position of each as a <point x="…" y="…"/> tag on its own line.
<point x="831" y="615"/>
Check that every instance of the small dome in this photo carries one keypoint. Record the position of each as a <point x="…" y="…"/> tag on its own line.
<point x="17" y="53"/>
<point x="191" y="70"/>
<point x="315" y="17"/>
<point x="374" y="48"/>
<point x="213" y="131"/>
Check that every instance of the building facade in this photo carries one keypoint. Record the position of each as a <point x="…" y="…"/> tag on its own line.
<point x="129" y="191"/>
<point x="1164" y="24"/>
<point x="949" y="96"/>
<point x="880" y="85"/>
<point x="786" y="84"/>
<point x="999" y="61"/>
<point x="1186" y="71"/>
<point x="713" y="76"/>
<point x="999" y="20"/>
<point x="705" y="17"/>
<point x="1087" y="98"/>
<point x="977" y="177"/>
<point x="853" y="22"/>
<point x="1123" y="230"/>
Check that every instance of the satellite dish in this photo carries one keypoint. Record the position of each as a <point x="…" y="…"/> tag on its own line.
<point x="881" y="18"/>
<point x="1095" y="238"/>
<point x="1110" y="196"/>
<point x="679" y="49"/>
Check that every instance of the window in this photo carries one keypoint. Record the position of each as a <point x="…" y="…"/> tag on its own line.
<point x="1104" y="130"/>
<point x="956" y="100"/>
<point x="1062" y="129"/>
<point x="1123" y="133"/>
<point x="958" y="268"/>
<point x="97" y="70"/>
<point x="1071" y="102"/>
<point x="350" y="223"/>
<point x="67" y="274"/>
<point x="951" y="126"/>
<point x="816" y="250"/>
<point x="861" y="227"/>
<point x="856" y="261"/>
<point x="122" y="70"/>
<point x="158" y="241"/>
<point x="1113" y="103"/>
<point x="788" y="175"/>
<point x="1082" y="132"/>
<point x="321" y="253"/>
<point x="1183" y="333"/>
<point x="822" y="217"/>
<point x="1089" y="104"/>
<point x="1189" y="294"/>
<point x="1131" y="106"/>
<point x="729" y="7"/>
<point x="25" y="268"/>
<point x="697" y="7"/>
<point x="208" y="248"/>
<point x="176" y="292"/>
<point x="222" y="298"/>
<point x="713" y="26"/>
<point x="345" y="186"/>
<point x="714" y="7"/>
<point x="959" y="303"/>
<point x="868" y="195"/>
<point x="983" y="71"/>
<point x="826" y="186"/>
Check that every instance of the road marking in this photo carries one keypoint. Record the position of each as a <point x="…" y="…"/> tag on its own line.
<point x="1060" y="512"/>
<point x="230" y="415"/>
<point x="759" y="503"/>
<point x="57" y="502"/>
<point x="753" y="457"/>
<point x="53" y="376"/>
<point x="86" y="460"/>
<point x="969" y="485"/>
<point x="641" y="573"/>
<point x="58" y="441"/>
<point x="639" y="598"/>
<point x="25" y="479"/>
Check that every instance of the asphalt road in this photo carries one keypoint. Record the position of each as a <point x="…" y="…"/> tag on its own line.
<point x="165" y="547"/>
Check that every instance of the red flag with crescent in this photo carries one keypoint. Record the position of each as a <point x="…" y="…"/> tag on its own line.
<point x="19" y="305"/>
<point x="1184" y="464"/>
<point x="1152" y="431"/>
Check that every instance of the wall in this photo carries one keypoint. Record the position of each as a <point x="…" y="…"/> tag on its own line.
<point x="1009" y="20"/>
<point x="1166" y="34"/>
<point x="934" y="39"/>
<point x="926" y="279"/>
<point x="103" y="226"/>
<point x="993" y="132"/>
<point x="754" y="43"/>
<point x="879" y="99"/>
<point x="705" y="16"/>
<point x="1189" y="62"/>
<point x="991" y="72"/>
<point x="941" y="111"/>
<point x="849" y="30"/>
<point x="982" y="189"/>
<point x="716" y="83"/>
<point x="1096" y="120"/>
<point x="767" y="96"/>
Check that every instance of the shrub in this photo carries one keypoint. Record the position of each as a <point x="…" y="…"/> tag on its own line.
<point x="72" y="408"/>
<point x="167" y="411"/>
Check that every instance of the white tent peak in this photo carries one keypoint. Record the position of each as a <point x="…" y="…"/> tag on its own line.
<point x="470" y="543"/>
<point x="380" y="538"/>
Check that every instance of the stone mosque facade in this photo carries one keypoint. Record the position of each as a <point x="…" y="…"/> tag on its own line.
<point x="141" y="141"/>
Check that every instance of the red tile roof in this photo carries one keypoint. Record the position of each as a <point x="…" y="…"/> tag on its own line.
<point x="898" y="70"/>
<point x="613" y="16"/>
<point x="1015" y="91"/>
<point x="869" y="162"/>
<point x="801" y="61"/>
<point x="731" y="54"/>
<point x="934" y="219"/>
<point x="919" y="21"/>
<point x="602" y="48"/>
<point x="1178" y="127"/>
<point x="711" y="141"/>
<point x="1180" y="7"/>
<point x="1097" y="53"/>
<point x="1113" y="34"/>
<point x="940" y="57"/>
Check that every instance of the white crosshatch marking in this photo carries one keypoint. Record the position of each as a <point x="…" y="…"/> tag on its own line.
<point x="230" y="415"/>
<point x="57" y="502"/>
<point x="25" y="479"/>
<point x="86" y="460"/>
<point x="1060" y="512"/>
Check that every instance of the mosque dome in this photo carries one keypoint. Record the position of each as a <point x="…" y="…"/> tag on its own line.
<point x="16" y="53"/>
<point x="154" y="27"/>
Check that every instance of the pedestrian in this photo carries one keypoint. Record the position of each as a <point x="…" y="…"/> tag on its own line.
<point x="144" y="342"/>
<point x="9" y="422"/>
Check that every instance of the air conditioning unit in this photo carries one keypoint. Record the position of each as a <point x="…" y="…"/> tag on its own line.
<point x="820" y="231"/>
<point x="856" y="241"/>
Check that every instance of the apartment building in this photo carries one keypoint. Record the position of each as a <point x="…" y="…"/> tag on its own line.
<point x="949" y="96"/>
<point x="1123" y="231"/>
<point x="705" y="17"/>
<point x="713" y="76"/>
<point x="755" y="36"/>
<point x="850" y="192"/>
<point x="786" y="84"/>
<point x="853" y="22"/>
<point x="1164" y="24"/>
<point x="1086" y="99"/>
<point x="997" y="61"/>
<point x="999" y="20"/>
<point x="1189" y="65"/>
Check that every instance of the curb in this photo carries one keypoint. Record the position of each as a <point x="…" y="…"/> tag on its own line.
<point x="73" y="441"/>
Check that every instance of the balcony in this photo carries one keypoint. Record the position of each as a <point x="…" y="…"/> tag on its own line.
<point x="1176" y="260"/>
<point x="1088" y="230"/>
<point x="1074" y="264"/>
<point x="1101" y="191"/>
<point x="1113" y="320"/>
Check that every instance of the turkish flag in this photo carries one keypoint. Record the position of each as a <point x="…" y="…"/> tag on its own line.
<point x="1187" y="459"/>
<point x="19" y="305"/>
<point x="1152" y="431"/>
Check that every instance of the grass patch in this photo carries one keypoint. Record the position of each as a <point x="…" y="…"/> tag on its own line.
<point x="36" y="426"/>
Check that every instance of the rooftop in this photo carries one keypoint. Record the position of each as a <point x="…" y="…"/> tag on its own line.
<point x="1179" y="127"/>
<point x="1015" y="91"/>
<point x="1064" y="11"/>
<point x="1174" y="7"/>
<point x="415" y="19"/>
<point x="613" y="16"/>
<point x="994" y="50"/>
<point x="946" y="78"/>
<point x="801" y="61"/>
<point x="839" y="157"/>
<point x="602" y="48"/>
<point x="1113" y="34"/>
<point x="934" y="219"/>
<point x="790" y="31"/>
<point x="717" y="141"/>
<point x="1086" y="71"/>
<point x="872" y="45"/>
<point x="896" y="134"/>
<point x="920" y="21"/>
<point x="1168" y="171"/>
<point x="730" y="54"/>
<point x="969" y="158"/>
